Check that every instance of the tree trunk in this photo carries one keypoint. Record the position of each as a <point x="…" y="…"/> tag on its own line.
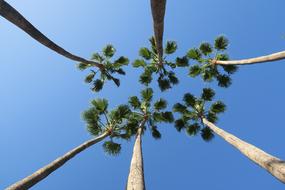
<point x="158" y="12"/>
<point x="262" y="59"/>
<point x="273" y="165"/>
<point x="12" y="15"/>
<point x="136" y="174"/>
<point x="42" y="173"/>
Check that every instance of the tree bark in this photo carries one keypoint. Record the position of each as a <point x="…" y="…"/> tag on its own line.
<point x="12" y="15"/>
<point x="42" y="173"/>
<point x="158" y="13"/>
<point x="136" y="174"/>
<point x="262" y="59"/>
<point x="273" y="165"/>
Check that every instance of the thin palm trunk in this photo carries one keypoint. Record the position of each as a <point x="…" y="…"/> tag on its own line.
<point x="12" y="15"/>
<point x="136" y="174"/>
<point x="262" y="59"/>
<point x="158" y="12"/>
<point x="273" y="165"/>
<point x="42" y="173"/>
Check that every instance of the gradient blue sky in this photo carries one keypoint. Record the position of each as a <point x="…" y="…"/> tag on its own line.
<point x="43" y="94"/>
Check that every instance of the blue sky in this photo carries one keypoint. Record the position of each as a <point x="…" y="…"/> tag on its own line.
<point x="43" y="94"/>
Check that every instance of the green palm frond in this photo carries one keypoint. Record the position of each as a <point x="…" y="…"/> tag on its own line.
<point x="112" y="148"/>
<point x="97" y="85"/>
<point x="147" y="94"/>
<point x="208" y="94"/>
<point x="101" y="105"/>
<point x="218" y="107"/>
<point x="109" y="51"/>
<point x="155" y="133"/>
<point x="189" y="99"/>
<point x="180" y="108"/>
<point x="195" y="70"/>
<point x="206" y="48"/>
<point x="194" y="54"/>
<point x="221" y="43"/>
<point x="145" y="53"/>
<point x="171" y="47"/>
<point x="135" y="102"/>
<point x="182" y="61"/>
<point x="160" y="104"/>
<point x="139" y="63"/>
<point x="180" y="124"/>
<point x="193" y="129"/>
<point x="207" y="134"/>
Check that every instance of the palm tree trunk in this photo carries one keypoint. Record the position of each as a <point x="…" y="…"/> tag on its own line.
<point x="273" y="165"/>
<point x="158" y="12"/>
<point x="262" y="59"/>
<point x="42" y="173"/>
<point x="136" y="174"/>
<point x="12" y="15"/>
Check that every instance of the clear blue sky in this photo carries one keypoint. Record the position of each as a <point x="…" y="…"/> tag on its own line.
<point x="43" y="94"/>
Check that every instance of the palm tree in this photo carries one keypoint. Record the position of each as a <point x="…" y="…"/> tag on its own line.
<point x="150" y="63"/>
<point x="195" y="113"/>
<point x="144" y="114"/>
<point x="158" y="13"/>
<point x="101" y="124"/>
<point x="12" y="15"/>
<point x="204" y="55"/>
<point x="262" y="59"/>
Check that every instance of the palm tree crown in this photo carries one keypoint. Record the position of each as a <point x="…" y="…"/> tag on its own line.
<point x="151" y="64"/>
<point x="115" y="122"/>
<point x="110" y="68"/>
<point x="205" y="55"/>
<point x="153" y="114"/>
<point x="194" y="109"/>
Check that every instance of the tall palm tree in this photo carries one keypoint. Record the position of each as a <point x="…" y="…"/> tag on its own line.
<point x="101" y="124"/>
<point x="262" y="59"/>
<point x="195" y="113"/>
<point x="158" y="13"/>
<point x="12" y="15"/>
<point x="144" y="114"/>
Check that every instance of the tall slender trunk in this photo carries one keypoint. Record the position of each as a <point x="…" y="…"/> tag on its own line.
<point x="136" y="174"/>
<point x="158" y="12"/>
<point x="273" y="165"/>
<point x="12" y="15"/>
<point x="262" y="59"/>
<point x="42" y="173"/>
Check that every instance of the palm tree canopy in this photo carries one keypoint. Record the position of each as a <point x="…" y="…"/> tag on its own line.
<point x="193" y="109"/>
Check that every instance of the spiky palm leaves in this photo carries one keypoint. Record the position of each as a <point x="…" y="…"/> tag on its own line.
<point x="99" y="120"/>
<point x="204" y="56"/>
<point x="110" y="68"/>
<point x="150" y="63"/>
<point x="194" y="109"/>
<point x="153" y="114"/>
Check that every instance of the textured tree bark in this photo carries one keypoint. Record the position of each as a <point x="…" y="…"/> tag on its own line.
<point x="12" y="15"/>
<point x="273" y="165"/>
<point x="262" y="59"/>
<point x="136" y="174"/>
<point x="42" y="173"/>
<point x="158" y="12"/>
